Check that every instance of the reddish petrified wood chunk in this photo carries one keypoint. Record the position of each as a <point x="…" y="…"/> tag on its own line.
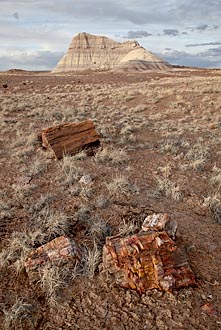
<point x="70" y="138"/>
<point x="147" y="260"/>
<point x="60" y="248"/>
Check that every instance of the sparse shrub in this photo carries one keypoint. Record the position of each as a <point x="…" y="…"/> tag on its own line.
<point x="127" y="130"/>
<point x="56" y="223"/>
<point x="21" y="313"/>
<point x="44" y="201"/>
<point x="102" y="202"/>
<point x="172" y="145"/>
<point x="70" y="172"/>
<point x="216" y="178"/>
<point x="38" y="166"/>
<point x="197" y="155"/>
<point x="83" y="214"/>
<point x="168" y="188"/>
<point x="53" y="279"/>
<point x="91" y="260"/>
<point x="99" y="230"/>
<point x="17" y="251"/>
<point x="120" y="185"/>
<point x="213" y="203"/>
<point x="22" y="191"/>
<point x="128" y="228"/>
<point x="86" y="192"/>
<point x="81" y="155"/>
<point x="111" y="155"/>
<point x="48" y="224"/>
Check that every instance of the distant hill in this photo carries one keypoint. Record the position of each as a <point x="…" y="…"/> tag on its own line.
<point x="92" y="52"/>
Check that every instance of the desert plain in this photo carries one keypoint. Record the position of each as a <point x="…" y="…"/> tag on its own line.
<point x="160" y="134"/>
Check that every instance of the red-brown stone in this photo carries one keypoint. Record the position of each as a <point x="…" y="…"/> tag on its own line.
<point x="60" y="248"/>
<point x="70" y="138"/>
<point x="147" y="260"/>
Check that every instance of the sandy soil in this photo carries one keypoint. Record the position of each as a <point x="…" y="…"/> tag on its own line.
<point x="165" y="128"/>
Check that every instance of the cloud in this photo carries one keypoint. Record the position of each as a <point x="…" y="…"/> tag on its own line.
<point x="215" y="43"/>
<point x="49" y="25"/>
<point x="213" y="53"/>
<point x="197" y="10"/>
<point x="136" y="12"/>
<point x="171" y="32"/>
<point x="16" y="15"/>
<point x="42" y="60"/>
<point x="203" y="28"/>
<point x="207" y="59"/>
<point x="137" y="34"/>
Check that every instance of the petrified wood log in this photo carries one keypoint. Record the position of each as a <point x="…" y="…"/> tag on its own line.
<point x="70" y="138"/>
<point x="147" y="260"/>
<point x="60" y="248"/>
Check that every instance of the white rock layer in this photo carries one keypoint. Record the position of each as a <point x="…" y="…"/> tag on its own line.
<point x="92" y="52"/>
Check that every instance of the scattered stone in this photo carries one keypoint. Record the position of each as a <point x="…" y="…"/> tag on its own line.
<point x="208" y="308"/>
<point x="60" y="248"/>
<point x="147" y="260"/>
<point x="70" y="138"/>
<point x="160" y="221"/>
<point x="86" y="179"/>
<point x="5" y="85"/>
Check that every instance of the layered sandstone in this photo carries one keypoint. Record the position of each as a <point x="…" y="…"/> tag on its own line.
<point x="91" y="52"/>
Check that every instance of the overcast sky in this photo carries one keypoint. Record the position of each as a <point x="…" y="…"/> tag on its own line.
<point x="34" y="34"/>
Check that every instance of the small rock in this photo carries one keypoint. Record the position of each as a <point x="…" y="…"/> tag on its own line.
<point x="147" y="260"/>
<point x="86" y="179"/>
<point x="58" y="249"/>
<point x="208" y="308"/>
<point x="160" y="221"/>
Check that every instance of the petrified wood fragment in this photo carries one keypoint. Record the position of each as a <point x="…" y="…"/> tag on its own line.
<point x="60" y="248"/>
<point x="147" y="260"/>
<point x="70" y="138"/>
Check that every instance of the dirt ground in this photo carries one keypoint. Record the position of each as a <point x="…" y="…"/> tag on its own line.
<point x="161" y="152"/>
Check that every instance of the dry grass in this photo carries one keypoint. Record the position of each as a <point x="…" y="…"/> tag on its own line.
<point x="162" y="114"/>
<point x="111" y="155"/>
<point x="70" y="172"/>
<point x="128" y="228"/>
<point x="102" y="202"/>
<point x="43" y="202"/>
<point x="197" y="155"/>
<point x="99" y="230"/>
<point x="91" y="260"/>
<point x="48" y="223"/>
<point x="168" y="188"/>
<point x="120" y="185"/>
<point x="53" y="279"/>
<point x="213" y="203"/>
<point x="213" y="199"/>
<point x="21" y="313"/>
<point x="17" y="251"/>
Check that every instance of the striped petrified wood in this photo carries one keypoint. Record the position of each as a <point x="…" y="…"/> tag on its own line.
<point x="149" y="259"/>
<point x="70" y="138"/>
<point x="60" y="248"/>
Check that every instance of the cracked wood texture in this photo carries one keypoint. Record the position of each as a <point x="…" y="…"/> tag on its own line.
<point x="70" y="138"/>
<point x="56" y="250"/>
<point x="147" y="260"/>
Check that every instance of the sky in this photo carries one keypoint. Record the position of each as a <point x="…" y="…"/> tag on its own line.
<point x="34" y="34"/>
